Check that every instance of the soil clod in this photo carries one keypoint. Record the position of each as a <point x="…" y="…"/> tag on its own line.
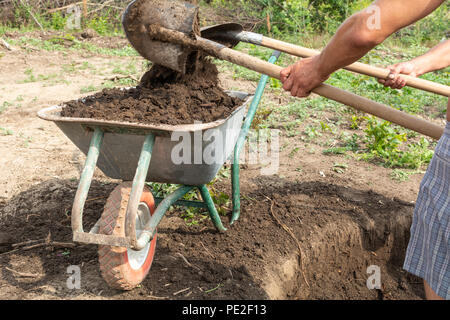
<point x="162" y="97"/>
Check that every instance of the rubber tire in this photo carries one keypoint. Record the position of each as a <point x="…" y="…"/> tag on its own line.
<point x="114" y="265"/>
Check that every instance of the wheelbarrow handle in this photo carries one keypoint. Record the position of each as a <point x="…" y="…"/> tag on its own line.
<point x="360" y="103"/>
<point x="358" y="67"/>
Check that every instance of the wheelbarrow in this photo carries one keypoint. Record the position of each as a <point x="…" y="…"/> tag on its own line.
<point x="136" y="153"/>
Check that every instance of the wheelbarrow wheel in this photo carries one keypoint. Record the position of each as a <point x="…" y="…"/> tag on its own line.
<point x="124" y="268"/>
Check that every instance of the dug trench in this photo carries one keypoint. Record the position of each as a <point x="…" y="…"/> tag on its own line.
<point x="340" y="232"/>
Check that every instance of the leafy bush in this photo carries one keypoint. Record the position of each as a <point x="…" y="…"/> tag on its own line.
<point x="298" y="16"/>
<point x="19" y="14"/>
<point x="100" y="24"/>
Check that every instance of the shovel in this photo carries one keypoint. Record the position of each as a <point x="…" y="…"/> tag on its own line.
<point x="166" y="32"/>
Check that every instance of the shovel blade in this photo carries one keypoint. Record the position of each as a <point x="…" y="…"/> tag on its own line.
<point x="223" y="33"/>
<point x="171" y="14"/>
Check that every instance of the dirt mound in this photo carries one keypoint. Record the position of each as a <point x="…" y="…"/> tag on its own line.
<point x="340" y="230"/>
<point x="163" y="97"/>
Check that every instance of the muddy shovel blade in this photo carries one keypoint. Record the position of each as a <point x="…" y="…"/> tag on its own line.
<point x="170" y="14"/>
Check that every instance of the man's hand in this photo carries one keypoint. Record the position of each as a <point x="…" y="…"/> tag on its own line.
<point x="395" y="80"/>
<point x="435" y="59"/>
<point x="302" y="77"/>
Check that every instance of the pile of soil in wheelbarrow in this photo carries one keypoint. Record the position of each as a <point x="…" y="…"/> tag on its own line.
<point x="162" y="97"/>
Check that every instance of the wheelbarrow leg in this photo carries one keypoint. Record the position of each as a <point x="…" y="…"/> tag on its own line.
<point x="138" y="187"/>
<point x="85" y="181"/>
<point x="236" y="192"/>
<point x="150" y="228"/>
<point x="243" y="136"/>
<point x="211" y="208"/>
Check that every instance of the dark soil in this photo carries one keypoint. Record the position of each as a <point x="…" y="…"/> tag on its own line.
<point x="341" y="231"/>
<point x="163" y="97"/>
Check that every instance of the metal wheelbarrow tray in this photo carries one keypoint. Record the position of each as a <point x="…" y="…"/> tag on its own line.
<point x="122" y="144"/>
<point x="126" y="232"/>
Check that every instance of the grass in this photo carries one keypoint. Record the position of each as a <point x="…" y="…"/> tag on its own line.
<point x="87" y="89"/>
<point x="73" y="45"/>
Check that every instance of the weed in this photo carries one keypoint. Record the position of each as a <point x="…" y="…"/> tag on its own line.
<point x="352" y="143"/>
<point x="6" y="132"/>
<point x="30" y="76"/>
<point x="293" y="152"/>
<point x="401" y="175"/>
<point x="90" y="88"/>
<point x="383" y="142"/>
<point x="335" y="150"/>
<point x="26" y="140"/>
<point x="356" y="122"/>
<point x="325" y="127"/>
<point x="312" y="132"/>
<point x="340" y="167"/>
<point x="5" y="106"/>
<point x="101" y="25"/>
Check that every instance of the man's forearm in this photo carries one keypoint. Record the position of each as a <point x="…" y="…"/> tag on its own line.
<point x="436" y="59"/>
<point x="350" y="43"/>
<point x="360" y="33"/>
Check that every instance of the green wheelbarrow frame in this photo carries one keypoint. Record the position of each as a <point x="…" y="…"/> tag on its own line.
<point x="163" y="204"/>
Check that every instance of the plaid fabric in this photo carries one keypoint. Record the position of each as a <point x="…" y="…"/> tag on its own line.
<point x="428" y="253"/>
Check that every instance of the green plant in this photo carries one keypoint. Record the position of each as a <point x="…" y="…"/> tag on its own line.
<point x="382" y="139"/>
<point x="101" y="24"/>
<point x="30" y="76"/>
<point x="384" y="142"/>
<point x="6" y="132"/>
<point x="192" y="216"/>
<point x="312" y="132"/>
<point x="352" y="143"/>
<point x="356" y="122"/>
<point x="5" y="106"/>
<point x="335" y="150"/>
<point x="294" y="152"/>
<point x="90" y="88"/>
<point x="340" y="167"/>
<point x="417" y="155"/>
<point x="401" y="175"/>
<point x="298" y="16"/>
<point x="56" y="21"/>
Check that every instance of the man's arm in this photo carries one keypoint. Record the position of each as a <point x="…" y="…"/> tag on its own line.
<point x="436" y="59"/>
<point x="357" y="35"/>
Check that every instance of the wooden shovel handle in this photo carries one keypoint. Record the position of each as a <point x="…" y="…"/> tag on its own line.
<point x="357" y="67"/>
<point x="350" y="99"/>
<point x="360" y="103"/>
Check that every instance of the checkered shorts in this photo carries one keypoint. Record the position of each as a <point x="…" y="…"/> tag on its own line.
<point x="428" y="254"/>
